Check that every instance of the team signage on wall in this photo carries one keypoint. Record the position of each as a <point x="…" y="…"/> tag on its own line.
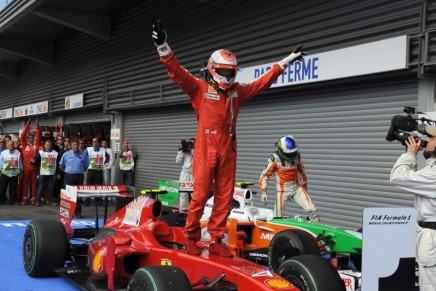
<point x="31" y="109"/>
<point x="115" y="133"/>
<point x="74" y="101"/>
<point x="370" y="58"/>
<point x="6" y="113"/>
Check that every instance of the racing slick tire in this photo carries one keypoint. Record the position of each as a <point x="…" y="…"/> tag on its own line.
<point x="311" y="272"/>
<point x="159" y="278"/>
<point x="45" y="247"/>
<point x="290" y="243"/>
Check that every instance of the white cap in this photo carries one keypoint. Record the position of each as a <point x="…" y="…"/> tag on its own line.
<point x="431" y="130"/>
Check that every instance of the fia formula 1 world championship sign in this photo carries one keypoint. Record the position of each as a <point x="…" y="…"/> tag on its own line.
<point x="370" y="58"/>
<point x="388" y="249"/>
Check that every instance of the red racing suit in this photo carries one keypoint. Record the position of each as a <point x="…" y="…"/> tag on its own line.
<point x="215" y="148"/>
<point x="19" y="192"/>
<point x="30" y="170"/>
<point x="291" y="180"/>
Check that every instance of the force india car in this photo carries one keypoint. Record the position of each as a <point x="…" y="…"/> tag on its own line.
<point x="134" y="250"/>
<point x="254" y="233"/>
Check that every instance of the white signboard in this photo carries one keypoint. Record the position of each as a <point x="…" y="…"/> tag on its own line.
<point x="31" y="109"/>
<point x="74" y="101"/>
<point x="388" y="249"/>
<point x="6" y="113"/>
<point x="370" y="58"/>
<point x="115" y="133"/>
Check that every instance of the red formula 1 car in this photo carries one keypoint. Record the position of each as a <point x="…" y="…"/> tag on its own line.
<point x="134" y="250"/>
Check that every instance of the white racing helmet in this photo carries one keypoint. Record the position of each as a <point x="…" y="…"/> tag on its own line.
<point x="288" y="147"/>
<point x="222" y="67"/>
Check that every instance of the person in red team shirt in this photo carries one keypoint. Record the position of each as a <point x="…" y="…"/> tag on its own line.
<point x="29" y="147"/>
<point x="216" y="100"/>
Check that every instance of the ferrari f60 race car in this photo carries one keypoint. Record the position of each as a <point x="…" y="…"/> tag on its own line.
<point x="134" y="250"/>
<point x="255" y="234"/>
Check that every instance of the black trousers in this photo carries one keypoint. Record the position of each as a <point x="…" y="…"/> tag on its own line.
<point x="12" y="182"/>
<point x="57" y="186"/>
<point x="45" y="180"/>
<point x="74" y="179"/>
<point x="126" y="177"/>
<point x="94" y="177"/>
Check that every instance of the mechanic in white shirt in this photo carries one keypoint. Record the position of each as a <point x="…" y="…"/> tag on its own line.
<point x="422" y="183"/>
<point x="107" y="168"/>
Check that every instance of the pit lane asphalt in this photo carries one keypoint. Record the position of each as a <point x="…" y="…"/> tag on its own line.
<point x="13" y="222"/>
<point x="32" y="212"/>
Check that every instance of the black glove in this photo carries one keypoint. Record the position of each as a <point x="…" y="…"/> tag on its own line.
<point x="297" y="50"/>
<point x="159" y="35"/>
<point x="296" y="55"/>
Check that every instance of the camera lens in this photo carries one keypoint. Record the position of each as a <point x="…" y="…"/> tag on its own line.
<point x="402" y="137"/>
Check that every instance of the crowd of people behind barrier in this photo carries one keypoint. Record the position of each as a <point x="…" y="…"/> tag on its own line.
<point x="35" y="170"/>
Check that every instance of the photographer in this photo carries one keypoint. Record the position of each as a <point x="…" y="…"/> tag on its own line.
<point x="422" y="183"/>
<point x="184" y="158"/>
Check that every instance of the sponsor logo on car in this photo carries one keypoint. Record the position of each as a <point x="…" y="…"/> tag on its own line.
<point x="97" y="262"/>
<point x="96" y="188"/>
<point x="65" y="204"/>
<point x="65" y="195"/>
<point x="263" y="274"/>
<point x="64" y="212"/>
<point x="239" y="193"/>
<point x="186" y="186"/>
<point x="268" y="236"/>
<point x="166" y="262"/>
<point x="278" y="283"/>
<point x="258" y="255"/>
<point x="134" y="210"/>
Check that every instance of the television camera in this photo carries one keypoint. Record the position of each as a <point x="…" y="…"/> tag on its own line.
<point x="187" y="146"/>
<point x="401" y="125"/>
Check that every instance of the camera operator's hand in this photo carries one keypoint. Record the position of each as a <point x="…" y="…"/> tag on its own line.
<point x="413" y="145"/>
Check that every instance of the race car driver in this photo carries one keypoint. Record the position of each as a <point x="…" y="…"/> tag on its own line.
<point x="216" y="100"/>
<point x="291" y="178"/>
<point x="421" y="182"/>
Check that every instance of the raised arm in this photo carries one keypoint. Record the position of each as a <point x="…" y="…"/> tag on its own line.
<point x="184" y="79"/>
<point x="24" y="133"/>
<point x="268" y="78"/>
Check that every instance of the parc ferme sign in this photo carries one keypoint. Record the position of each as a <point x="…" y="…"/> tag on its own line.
<point x="370" y="58"/>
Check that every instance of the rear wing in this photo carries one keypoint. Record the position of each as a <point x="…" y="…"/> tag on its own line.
<point x="103" y="191"/>
<point x="70" y="195"/>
